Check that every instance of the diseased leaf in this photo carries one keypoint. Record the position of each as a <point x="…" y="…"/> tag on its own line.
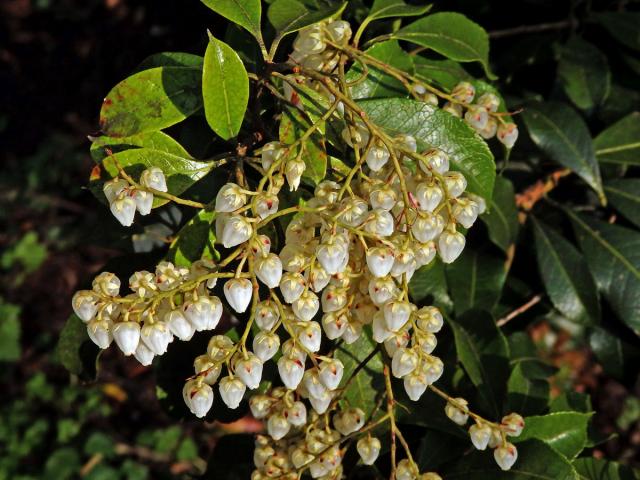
<point x="624" y="194"/>
<point x="528" y="394"/>
<point x="584" y="72"/>
<point x="623" y="26"/>
<point x="562" y="134"/>
<point x="601" y="469"/>
<point x="195" y="240"/>
<point x="566" y="432"/>
<point x="432" y="127"/>
<point x="245" y="13"/>
<point x="429" y="284"/>
<point x="620" y="143"/>
<point x="76" y="351"/>
<point x="225" y="89"/>
<point x="452" y="35"/>
<point x="158" y="141"/>
<point x="484" y="354"/>
<point x="613" y="256"/>
<point x="151" y="100"/>
<point x="501" y="217"/>
<point x="566" y="276"/>
<point x="394" y="8"/>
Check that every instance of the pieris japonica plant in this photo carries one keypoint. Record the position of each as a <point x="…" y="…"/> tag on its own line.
<point x="337" y="177"/>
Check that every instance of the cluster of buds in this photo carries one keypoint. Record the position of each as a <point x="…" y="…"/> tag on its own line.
<point x="484" y="434"/>
<point x="312" y="46"/>
<point x="125" y="199"/>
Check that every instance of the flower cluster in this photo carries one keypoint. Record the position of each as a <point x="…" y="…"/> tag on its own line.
<point x="312" y="47"/>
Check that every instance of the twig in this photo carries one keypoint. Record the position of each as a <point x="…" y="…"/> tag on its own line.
<point x="541" y="27"/>
<point x="534" y="301"/>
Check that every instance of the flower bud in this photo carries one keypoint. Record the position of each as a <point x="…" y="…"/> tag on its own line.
<point x="327" y="192"/>
<point x="312" y="384"/>
<point x="238" y="292"/>
<point x="435" y="160"/>
<point x="99" y="332"/>
<point x="465" y="212"/>
<point x="429" y="319"/>
<point x="291" y="286"/>
<point x="490" y="101"/>
<point x="339" y="31"/>
<point x="127" y="336"/>
<point x="456" y="183"/>
<point x="432" y="367"/>
<point x="297" y="414"/>
<point x="358" y="135"/>
<point x="293" y="170"/>
<point x="113" y="188"/>
<point x="383" y="197"/>
<point x="377" y="157"/>
<point x="404" y="361"/>
<point x="269" y="270"/>
<point x="426" y="341"/>
<point x="231" y="391"/>
<point x="453" y="108"/>
<point x="144" y="201"/>
<point x="321" y="403"/>
<point x="154" y="178"/>
<point x="168" y="276"/>
<point x="318" y="278"/>
<point x="428" y="196"/>
<point x="179" y="325"/>
<point x="381" y="290"/>
<point x="380" y="260"/>
<point x="230" y="198"/>
<point x="143" y="284"/>
<point x="249" y="370"/>
<point x="379" y="222"/>
<point x="278" y="426"/>
<point x="396" y="314"/>
<point x="310" y="335"/>
<point x="291" y="349"/>
<point x="512" y="424"/>
<point x="330" y="373"/>
<point x="427" y="226"/>
<point x="334" y="324"/>
<point x="398" y="340"/>
<point x="424" y="253"/>
<point x="124" y="208"/>
<point x="107" y="284"/>
<point x="352" y="333"/>
<point x="260" y="405"/>
<point x="85" y="304"/>
<point x="415" y="384"/>
<point x="407" y="141"/>
<point x="210" y="371"/>
<point x="505" y="456"/>
<point x="477" y="117"/>
<point x="266" y="315"/>
<point x="236" y="230"/>
<point x="204" y="313"/>
<point x="508" y="134"/>
<point x="368" y="449"/>
<point x="490" y="129"/>
<point x="266" y="204"/>
<point x="463" y="92"/>
<point x="156" y="336"/>
<point x="309" y="40"/>
<point x="450" y="245"/>
<point x="349" y="421"/>
<point x="291" y="371"/>
<point x="271" y="152"/>
<point x="455" y="412"/>
<point x="405" y="470"/>
<point x="265" y="345"/>
<point x="143" y="354"/>
<point x="218" y="347"/>
<point x="300" y="457"/>
<point x="198" y="396"/>
<point x="306" y="306"/>
<point x="353" y="211"/>
<point x="480" y="435"/>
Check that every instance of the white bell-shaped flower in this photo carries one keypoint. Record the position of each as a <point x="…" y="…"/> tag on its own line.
<point x="266" y="315"/>
<point x="415" y="384"/>
<point x="377" y="157"/>
<point x="331" y="255"/>
<point x="405" y="470"/>
<point x="204" y="367"/>
<point x="456" y="184"/>
<point x="291" y="286"/>
<point x="429" y="319"/>
<point x="383" y="197"/>
<point x="312" y="384"/>
<point x="334" y="325"/>
<point x="219" y="346"/>
<point x="154" y="178"/>
<point x="249" y="370"/>
<point x="450" y="245"/>
<point x="368" y="449"/>
<point x="432" y="367"/>
<point x="198" y="397"/>
<point x="293" y="171"/>
<point x="404" y="361"/>
<point x="353" y="211"/>
<point x="278" y="426"/>
<point x="261" y="455"/>
<point x="352" y="333"/>
<point x="127" y="336"/>
<point x="85" y="304"/>
<point x="144" y="355"/>
<point x="309" y="334"/>
<point x="330" y="372"/>
<point x="339" y="31"/>
<point x="396" y="314"/>
<point x="334" y="298"/>
<point x="230" y="198"/>
<point x="428" y="196"/>
<point x="143" y="283"/>
<point x="490" y="101"/>
<point x="291" y="371"/>
<point x="231" y="391"/>
<point x="464" y="92"/>
<point x="309" y="40"/>
<point x="427" y="341"/>
<point x="168" y="276"/>
<point x="300" y="457"/>
<point x="505" y="456"/>
<point x="398" y="340"/>
<point x="106" y="283"/>
<point x="269" y="270"/>
<point x="435" y="160"/>
<point x="237" y="230"/>
<point x="156" y="336"/>
<point x="292" y="349"/>
<point x="293" y="258"/>
<point x="266" y="345"/>
<point x="424" y="253"/>
<point x="379" y="222"/>
<point x="508" y="134"/>
<point x="512" y="424"/>
<point x="318" y="278"/>
<point x="179" y="325"/>
<point x="480" y="435"/>
<point x="271" y="152"/>
<point x="260" y="405"/>
<point x="457" y="413"/>
<point x="266" y="204"/>
<point x="407" y="141"/>
<point x="204" y="313"/>
<point x="380" y="260"/>
<point x="427" y="226"/>
<point x="321" y="403"/>
<point x="477" y="116"/>
<point x="465" y="211"/>
<point x="112" y="188"/>
<point x="381" y="290"/>
<point x="238" y="292"/>
<point x="123" y="208"/>
<point x="454" y="109"/>
<point x="327" y="192"/>
<point x="306" y="306"/>
<point x="144" y="201"/>
<point x="297" y="414"/>
<point x="358" y="135"/>
<point x="490" y="129"/>
<point x="404" y="262"/>
<point x="99" y="332"/>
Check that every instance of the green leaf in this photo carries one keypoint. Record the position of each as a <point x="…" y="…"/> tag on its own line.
<point x="617" y="357"/>
<point x="566" y="276"/>
<point x="245" y="13"/>
<point x="566" y="432"/>
<point x="432" y="127"/>
<point x="288" y="16"/>
<point x="377" y="83"/>
<point x="75" y="351"/>
<point x="620" y="143"/>
<point x="623" y="26"/>
<point x="195" y="240"/>
<point x="562" y="134"/>
<point x="151" y="100"/>
<point x="154" y="140"/>
<point x="171" y="59"/>
<point x="624" y="195"/>
<point x="613" y="256"/>
<point x="501" y="217"/>
<point x="437" y="447"/>
<point x="362" y="390"/>
<point x="602" y="469"/>
<point x="584" y="73"/>
<point x="536" y="460"/>
<point x="528" y="394"/>
<point x="571" y="401"/>
<point x="429" y="284"/>
<point x="476" y="280"/>
<point x="484" y="353"/>
<point x="63" y="464"/>
<point x="394" y="8"/>
<point x="292" y="126"/>
<point x="452" y="35"/>
<point x="225" y="89"/>
<point x="10" y="330"/>
<point x="445" y="72"/>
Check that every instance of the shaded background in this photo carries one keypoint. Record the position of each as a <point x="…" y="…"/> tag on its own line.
<point x="58" y="59"/>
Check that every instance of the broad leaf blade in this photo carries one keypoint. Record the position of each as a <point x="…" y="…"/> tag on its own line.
<point x="617" y="357"/>
<point x="225" y="89"/>
<point x="429" y="283"/>
<point x="560" y="132"/>
<point x="245" y="13"/>
<point x="528" y="394"/>
<point x="452" y="35"/>
<point x="613" y="256"/>
<point x="623" y="26"/>
<point x="566" y="432"/>
<point x="566" y="276"/>
<point x="624" y="194"/>
<point x="171" y="59"/>
<point x="600" y="469"/>
<point x="76" y="351"/>
<point x="395" y="8"/>
<point x="620" y="143"/>
<point x="195" y="240"/>
<point x="159" y="141"/>
<point x="151" y="100"/>
<point x="445" y="72"/>
<point x="501" y="218"/>
<point x="432" y="127"/>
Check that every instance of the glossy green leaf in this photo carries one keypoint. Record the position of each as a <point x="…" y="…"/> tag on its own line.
<point x="378" y="84"/>
<point x="363" y="389"/>
<point x="151" y="100"/>
<point x="623" y="26"/>
<point x="171" y="59"/>
<point x="571" y="401"/>
<point x="293" y="125"/>
<point x="432" y="127"/>
<point x="225" y="89"/>
<point x="613" y="256"/>
<point x="536" y="460"/>
<point x="10" y="330"/>
<point x="476" y="279"/>
<point x="565" y="276"/>
<point x="484" y="353"/>
<point x="452" y="35"/>
<point x="562" y="134"/>
<point x="600" y="469"/>
<point x="158" y="141"/>
<point x="444" y="72"/>
<point x="429" y="285"/>
<point x="501" y="217"/>
<point x="528" y="394"/>
<point x="245" y="13"/>
<point x="620" y="143"/>
<point x="195" y="240"/>
<point x="566" y="432"/>
<point x="617" y="357"/>
<point x="584" y="73"/>
<point x="394" y="8"/>
<point x="76" y="351"/>
<point x="624" y="195"/>
<point x="437" y="447"/>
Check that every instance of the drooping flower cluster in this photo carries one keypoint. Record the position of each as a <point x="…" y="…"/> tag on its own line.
<point x="312" y="46"/>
